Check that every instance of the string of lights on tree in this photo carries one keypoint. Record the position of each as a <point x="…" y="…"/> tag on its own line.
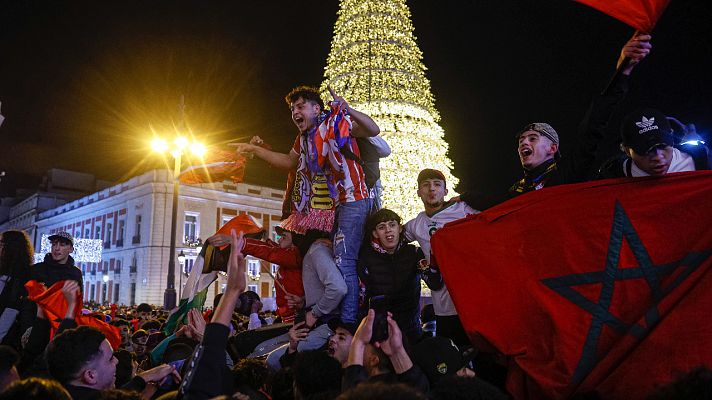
<point x="376" y="65"/>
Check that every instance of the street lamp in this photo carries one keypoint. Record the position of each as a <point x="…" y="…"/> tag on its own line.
<point x="180" y="145"/>
<point x="181" y="261"/>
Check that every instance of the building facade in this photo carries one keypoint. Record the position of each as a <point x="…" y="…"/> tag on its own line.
<point x="133" y="220"/>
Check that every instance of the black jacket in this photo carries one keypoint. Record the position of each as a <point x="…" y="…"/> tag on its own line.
<point x="137" y="384"/>
<point x="208" y="375"/>
<point x="50" y="272"/>
<point x="396" y="276"/>
<point x="14" y="297"/>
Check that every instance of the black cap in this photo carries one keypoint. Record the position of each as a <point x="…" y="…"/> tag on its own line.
<point x="645" y="129"/>
<point x="335" y="323"/>
<point x="439" y="357"/>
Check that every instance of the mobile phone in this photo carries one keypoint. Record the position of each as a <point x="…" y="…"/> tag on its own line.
<point x="379" y="304"/>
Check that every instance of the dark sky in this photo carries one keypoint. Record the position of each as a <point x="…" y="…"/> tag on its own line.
<point x="84" y="83"/>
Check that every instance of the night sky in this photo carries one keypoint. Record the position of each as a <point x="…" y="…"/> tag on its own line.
<point x="84" y="83"/>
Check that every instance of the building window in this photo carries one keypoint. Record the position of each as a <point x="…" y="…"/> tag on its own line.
<point x="133" y="293"/>
<point x="252" y="288"/>
<point x="97" y="232"/>
<point x="92" y="292"/>
<point x="122" y="229"/>
<point x="109" y="226"/>
<point x="116" y="293"/>
<point x="253" y="267"/>
<point x="87" y="233"/>
<point x="190" y="227"/>
<point x="275" y="268"/>
<point x="188" y="264"/>
<point x="137" y="231"/>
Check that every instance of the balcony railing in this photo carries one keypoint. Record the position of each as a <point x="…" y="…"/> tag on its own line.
<point x="136" y="239"/>
<point x="120" y="243"/>
<point x="107" y="245"/>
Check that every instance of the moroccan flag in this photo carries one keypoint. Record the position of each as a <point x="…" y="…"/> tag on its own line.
<point x="54" y="306"/>
<point x="640" y="14"/>
<point x="219" y="165"/>
<point x="596" y="287"/>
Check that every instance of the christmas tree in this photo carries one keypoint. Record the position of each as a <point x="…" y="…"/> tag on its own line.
<point x="376" y="65"/>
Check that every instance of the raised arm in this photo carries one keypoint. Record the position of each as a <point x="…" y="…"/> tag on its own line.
<point x="363" y="125"/>
<point x="280" y="160"/>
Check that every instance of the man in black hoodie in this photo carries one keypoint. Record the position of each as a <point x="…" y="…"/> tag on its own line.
<point x="58" y="265"/>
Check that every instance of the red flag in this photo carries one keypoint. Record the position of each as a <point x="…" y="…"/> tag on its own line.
<point x="601" y="286"/>
<point x="640" y="14"/>
<point x="54" y="306"/>
<point x="219" y="166"/>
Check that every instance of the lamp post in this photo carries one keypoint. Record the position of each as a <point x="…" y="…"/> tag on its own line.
<point x="181" y="261"/>
<point x="180" y="145"/>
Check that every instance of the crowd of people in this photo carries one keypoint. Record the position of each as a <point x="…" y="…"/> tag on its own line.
<point x="350" y="321"/>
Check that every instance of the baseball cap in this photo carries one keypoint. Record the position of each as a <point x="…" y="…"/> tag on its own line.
<point x="65" y="236"/>
<point x="544" y="129"/>
<point x="335" y="323"/>
<point x="439" y="357"/>
<point x="644" y="129"/>
<point x="429" y="173"/>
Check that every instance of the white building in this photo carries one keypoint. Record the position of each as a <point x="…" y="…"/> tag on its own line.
<point x="133" y="219"/>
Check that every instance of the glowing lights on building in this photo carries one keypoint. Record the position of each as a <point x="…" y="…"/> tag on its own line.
<point x="85" y="250"/>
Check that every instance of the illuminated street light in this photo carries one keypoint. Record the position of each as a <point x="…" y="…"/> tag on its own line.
<point x="181" y="143"/>
<point x="159" y="145"/>
<point x="198" y="149"/>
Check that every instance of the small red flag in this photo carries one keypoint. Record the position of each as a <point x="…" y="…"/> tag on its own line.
<point x="596" y="287"/>
<point x="640" y="14"/>
<point x="220" y="165"/>
<point x="54" y="306"/>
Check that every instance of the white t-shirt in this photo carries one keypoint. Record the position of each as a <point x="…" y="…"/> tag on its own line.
<point x="680" y="162"/>
<point x="421" y="228"/>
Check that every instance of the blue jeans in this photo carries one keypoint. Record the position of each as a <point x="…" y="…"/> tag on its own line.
<point x="347" y="236"/>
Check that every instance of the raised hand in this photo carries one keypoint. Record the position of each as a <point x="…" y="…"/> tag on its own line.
<point x="219" y="240"/>
<point x="394" y="343"/>
<point x="365" y="329"/>
<point x="338" y="99"/>
<point x="297" y="333"/>
<point x="236" y="266"/>
<point x="636" y="49"/>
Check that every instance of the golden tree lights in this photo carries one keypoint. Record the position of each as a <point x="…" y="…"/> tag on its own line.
<point x="377" y="66"/>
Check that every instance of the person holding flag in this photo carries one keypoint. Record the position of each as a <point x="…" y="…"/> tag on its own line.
<point x="284" y="253"/>
<point x="330" y="191"/>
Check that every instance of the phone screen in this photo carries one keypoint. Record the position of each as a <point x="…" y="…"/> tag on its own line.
<point x="379" y="304"/>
